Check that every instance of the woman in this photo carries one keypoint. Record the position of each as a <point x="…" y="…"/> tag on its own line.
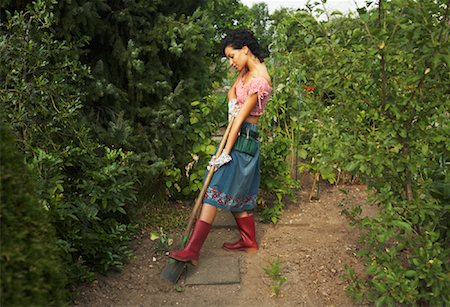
<point x="234" y="186"/>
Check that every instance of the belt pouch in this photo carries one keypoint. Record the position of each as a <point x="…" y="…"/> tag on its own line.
<point x="246" y="144"/>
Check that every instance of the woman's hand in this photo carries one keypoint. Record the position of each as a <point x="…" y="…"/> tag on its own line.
<point x="211" y="162"/>
<point x="223" y="159"/>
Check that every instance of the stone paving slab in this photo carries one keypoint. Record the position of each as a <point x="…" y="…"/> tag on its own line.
<point x="217" y="266"/>
<point x="214" y="271"/>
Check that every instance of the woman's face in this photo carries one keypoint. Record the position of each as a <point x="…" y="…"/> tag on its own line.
<point x="237" y="57"/>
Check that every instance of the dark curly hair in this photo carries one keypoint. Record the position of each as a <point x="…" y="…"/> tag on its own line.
<point x="243" y="37"/>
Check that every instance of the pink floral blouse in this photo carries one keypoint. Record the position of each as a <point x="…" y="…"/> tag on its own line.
<point x="256" y="85"/>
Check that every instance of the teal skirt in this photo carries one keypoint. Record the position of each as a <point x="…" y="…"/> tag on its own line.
<point x="234" y="186"/>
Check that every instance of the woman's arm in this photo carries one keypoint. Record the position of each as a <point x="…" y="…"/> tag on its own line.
<point x="245" y="111"/>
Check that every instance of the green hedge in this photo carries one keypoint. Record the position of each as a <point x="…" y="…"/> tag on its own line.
<point x="31" y="272"/>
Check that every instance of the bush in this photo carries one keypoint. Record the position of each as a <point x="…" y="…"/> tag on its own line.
<point x="31" y="267"/>
<point x="375" y="115"/>
<point x="405" y="263"/>
<point x="85" y="186"/>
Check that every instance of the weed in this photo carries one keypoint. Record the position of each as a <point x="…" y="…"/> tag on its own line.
<point x="273" y="272"/>
<point x="163" y="241"/>
<point x="180" y="289"/>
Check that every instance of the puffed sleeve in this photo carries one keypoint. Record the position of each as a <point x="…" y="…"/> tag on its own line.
<point x="260" y="86"/>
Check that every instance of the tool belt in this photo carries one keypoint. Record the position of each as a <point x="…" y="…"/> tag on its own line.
<point x="247" y="142"/>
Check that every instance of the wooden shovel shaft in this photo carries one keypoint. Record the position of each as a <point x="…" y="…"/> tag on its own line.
<point x="208" y="178"/>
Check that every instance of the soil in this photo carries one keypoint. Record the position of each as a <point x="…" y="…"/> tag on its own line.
<point x="313" y="243"/>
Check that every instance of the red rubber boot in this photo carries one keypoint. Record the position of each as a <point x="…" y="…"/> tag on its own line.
<point x="192" y="250"/>
<point x="248" y="236"/>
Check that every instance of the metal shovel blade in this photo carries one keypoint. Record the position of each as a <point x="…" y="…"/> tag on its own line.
<point x="173" y="270"/>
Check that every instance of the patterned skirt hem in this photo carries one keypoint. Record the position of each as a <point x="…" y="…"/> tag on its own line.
<point x="227" y="208"/>
<point x="227" y="202"/>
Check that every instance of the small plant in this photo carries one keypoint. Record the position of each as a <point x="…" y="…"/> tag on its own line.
<point x="273" y="272"/>
<point x="180" y="289"/>
<point x="163" y="241"/>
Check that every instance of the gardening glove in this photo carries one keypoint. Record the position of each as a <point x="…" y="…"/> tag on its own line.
<point x="233" y="108"/>
<point x="223" y="159"/>
<point x="211" y="163"/>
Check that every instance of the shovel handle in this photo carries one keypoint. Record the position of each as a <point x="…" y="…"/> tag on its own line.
<point x="208" y="178"/>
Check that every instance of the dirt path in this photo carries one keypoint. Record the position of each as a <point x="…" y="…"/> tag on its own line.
<point x="313" y="243"/>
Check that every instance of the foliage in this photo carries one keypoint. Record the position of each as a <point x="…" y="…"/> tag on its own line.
<point x="379" y="110"/>
<point x="306" y="111"/>
<point x="142" y="56"/>
<point x="281" y="129"/>
<point x="228" y="15"/>
<point x="84" y="185"/>
<point x="31" y="265"/>
<point x="276" y="180"/>
<point x="205" y="118"/>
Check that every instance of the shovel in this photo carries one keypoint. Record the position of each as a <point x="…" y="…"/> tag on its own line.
<point x="174" y="268"/>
